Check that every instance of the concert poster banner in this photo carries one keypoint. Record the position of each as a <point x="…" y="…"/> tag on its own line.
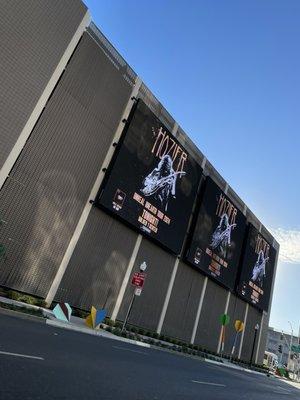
<point x="255" y="282"/>
<point x="216" y="244"/>
<point x="152" y="182"/>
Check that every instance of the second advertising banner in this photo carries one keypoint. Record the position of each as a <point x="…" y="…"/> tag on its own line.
<point x="217" y="240"/>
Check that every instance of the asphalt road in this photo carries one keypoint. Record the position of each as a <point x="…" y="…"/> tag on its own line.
<point x="71" y="365"/>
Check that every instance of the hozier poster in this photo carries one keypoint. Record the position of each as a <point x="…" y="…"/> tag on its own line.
<point x="153" y="181"/>
<point x="218" y="236"/>
<point x="257" y="271"/>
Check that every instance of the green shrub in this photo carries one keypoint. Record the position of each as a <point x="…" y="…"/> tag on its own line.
<point x="25" y="298"/>
<point x="117" y="331"/>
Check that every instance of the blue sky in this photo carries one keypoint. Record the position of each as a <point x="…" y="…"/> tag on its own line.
<point x="228" y="72"/>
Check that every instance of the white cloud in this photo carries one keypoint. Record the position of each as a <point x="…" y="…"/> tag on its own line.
<point x="289" y="241"/>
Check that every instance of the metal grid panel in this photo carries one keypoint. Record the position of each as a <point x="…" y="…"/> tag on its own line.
<point x="209" y="326"/>
<point x="98" y="264"/>
<point x="147" y="307"/>
<point x="263" y="340"/>
<point x="235" y="198"/>
<point x="148" y="97"/>
<point x="109" y="50"/>
<point x="34" y="35"/>
<point x="209" y="170"/>
<point x="252" y="218"/>
<point x="183" y="304"/>
<point x="236" y="310"/>
<point x="43" y="198"/>
<point x="253" y="318"/>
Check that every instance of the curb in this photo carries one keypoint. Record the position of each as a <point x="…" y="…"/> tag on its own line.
<point x="233" y="366"/>
<point x="104" y="334"/>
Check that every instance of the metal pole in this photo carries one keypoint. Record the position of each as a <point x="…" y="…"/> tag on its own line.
<point x="234" y="344"/>
<point x="128" y="311"/>
<point x="253" y="346"/>
<point x="290" y="347"/>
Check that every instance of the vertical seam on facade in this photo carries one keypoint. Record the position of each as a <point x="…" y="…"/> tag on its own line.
<point x="126" y="278"/>
<point x="88" y="206"/>
<point x="225" y="312"/>
<point x="259" y="337"/>
<point x="201" y="300"/>
<point x="243" y="333"/>
<point x="168" y="296"/>
<point x="26" y="131"/>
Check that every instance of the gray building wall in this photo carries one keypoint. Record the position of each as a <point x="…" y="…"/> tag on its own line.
<point x="43" y="197"/>
<point x="275" y="338"/>
<point x="34" y="35"/>
<point x="236" y="311"/>
<point x="209" y="327"/>
<point x="98" y="264"/>
<point x="147" y="307"/>
<point x="253" y="318"/>
<point x="183" y="304"/>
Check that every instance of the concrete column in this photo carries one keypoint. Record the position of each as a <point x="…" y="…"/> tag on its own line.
<point x="85" y="213"/>
<point x="26" y="131"/>
<point x="243" y="333"/>
<point x="225" y="312"/>
<point x="199" y="309"/>
<point x="259" y="337"/>
<point x="167" y="298"/>
<point x="126" y="277"/>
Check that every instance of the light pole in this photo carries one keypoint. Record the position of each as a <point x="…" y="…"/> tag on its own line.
<point x="291" y="342"/>
<point x="256" y="328"/>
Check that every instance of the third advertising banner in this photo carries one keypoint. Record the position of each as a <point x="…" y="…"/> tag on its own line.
<point x="257" y="271"/>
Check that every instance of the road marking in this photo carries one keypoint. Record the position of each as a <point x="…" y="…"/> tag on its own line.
<point x="21" y="355"/>
<point x="209" y="383"/>
<point x="133" y="351"/>
<point x="284" y="391"/>
<point x="281" y="388"/>
<point x="281" y="393"/>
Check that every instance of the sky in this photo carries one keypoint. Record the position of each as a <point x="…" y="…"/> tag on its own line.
<point x="229" y="74"/>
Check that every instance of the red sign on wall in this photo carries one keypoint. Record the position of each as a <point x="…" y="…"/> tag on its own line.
<point x="138" y="279"/>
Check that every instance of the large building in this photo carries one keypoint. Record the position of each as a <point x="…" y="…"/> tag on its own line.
<point x="280" y="343"/>
<point x="97" y="178"/>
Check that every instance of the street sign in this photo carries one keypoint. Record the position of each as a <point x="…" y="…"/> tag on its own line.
<point x="138" y="279"/>
<point x="138" y="291"/>
<point x="239" y="325"/>
<point x="295" y="348"/>
<point x="224" y="319"/>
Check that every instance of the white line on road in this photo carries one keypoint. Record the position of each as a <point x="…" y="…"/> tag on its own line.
<point x="20" y="355"/>
<point x="281" y="393"/>
<point x="281" y="388"/>
<point x="209" y="383"/>
<point x="133" y="351"/>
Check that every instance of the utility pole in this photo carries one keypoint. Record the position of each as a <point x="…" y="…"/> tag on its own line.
<point x="291" y="343"/>
<point x="135" y="293"/>
<point x="256" y="328"/>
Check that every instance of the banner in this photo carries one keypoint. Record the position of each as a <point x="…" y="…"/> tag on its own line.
<point x="218" y="236"/>
<point x="152" y="182"/>
<point x="257" y="270"/>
